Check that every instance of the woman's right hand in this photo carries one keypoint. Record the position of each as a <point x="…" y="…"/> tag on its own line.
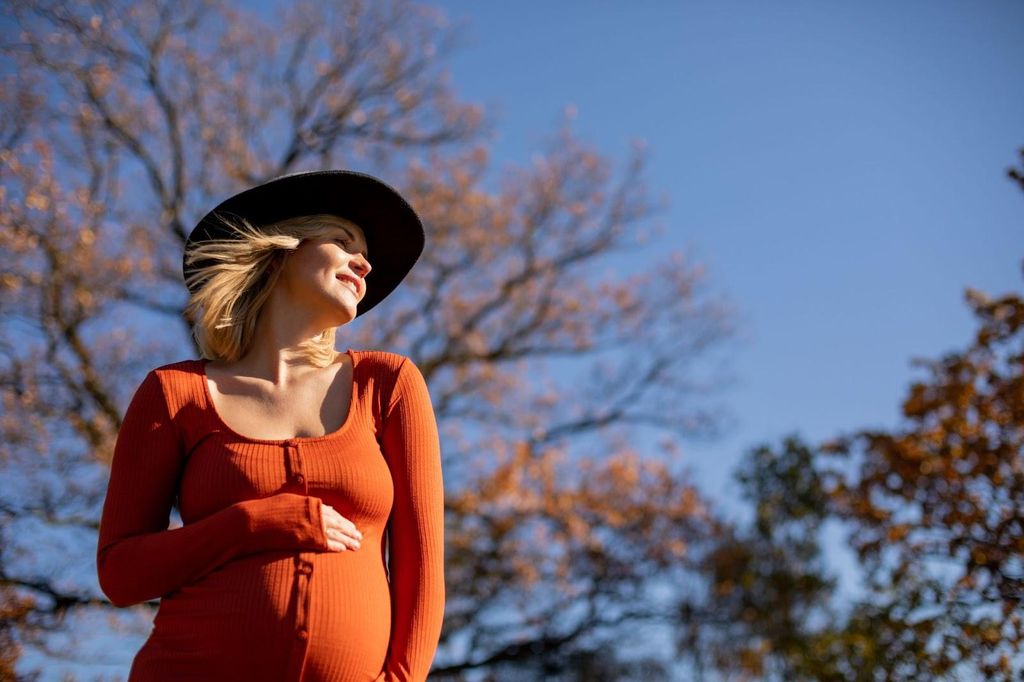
<point x="341" y="533"/>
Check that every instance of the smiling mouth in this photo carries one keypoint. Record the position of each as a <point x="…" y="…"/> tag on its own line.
<point x="353" y="287"/>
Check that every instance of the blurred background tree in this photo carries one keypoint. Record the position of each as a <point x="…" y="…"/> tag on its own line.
<point x="935" y="511"/>
<point x="123" y="122"/>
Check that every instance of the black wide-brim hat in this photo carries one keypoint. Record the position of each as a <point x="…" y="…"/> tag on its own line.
<point x="393" y="230"/>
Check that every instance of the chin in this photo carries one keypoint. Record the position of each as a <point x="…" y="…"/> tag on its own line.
<point x="348" y="313"/>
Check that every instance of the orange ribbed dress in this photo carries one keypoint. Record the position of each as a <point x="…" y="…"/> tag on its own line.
<point x="248" y="588"/>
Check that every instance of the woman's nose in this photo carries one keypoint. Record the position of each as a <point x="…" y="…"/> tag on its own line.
<point x="362" y="265"/>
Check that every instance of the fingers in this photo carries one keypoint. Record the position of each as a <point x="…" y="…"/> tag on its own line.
<point x="341" y="533"/>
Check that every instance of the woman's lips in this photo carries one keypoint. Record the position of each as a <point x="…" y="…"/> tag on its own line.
<point x="352" y="284"/>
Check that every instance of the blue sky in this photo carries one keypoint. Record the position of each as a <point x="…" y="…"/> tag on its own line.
<point x="839" y="168"/>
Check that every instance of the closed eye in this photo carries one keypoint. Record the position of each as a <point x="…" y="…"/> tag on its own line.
<point x="347" y="242"/>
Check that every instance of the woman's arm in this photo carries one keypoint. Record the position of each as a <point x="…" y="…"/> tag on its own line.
<point x="137" y="557"/>
<point x="415" y="530"/>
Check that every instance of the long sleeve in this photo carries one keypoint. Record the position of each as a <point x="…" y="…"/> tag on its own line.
<point x="416" y="528"/>
<point x="138" y="558"/>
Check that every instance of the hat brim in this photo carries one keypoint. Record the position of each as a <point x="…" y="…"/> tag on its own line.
<point x="394" y="232"/>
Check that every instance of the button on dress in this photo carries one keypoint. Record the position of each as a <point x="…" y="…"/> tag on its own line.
<point x="248" y="588"/>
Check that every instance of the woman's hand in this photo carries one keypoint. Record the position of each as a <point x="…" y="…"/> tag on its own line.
<point x="341" y="533"/>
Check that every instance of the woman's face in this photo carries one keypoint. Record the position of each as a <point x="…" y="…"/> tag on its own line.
<point x="329" y="272"/>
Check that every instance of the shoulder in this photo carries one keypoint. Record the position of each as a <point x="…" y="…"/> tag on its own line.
<point x="173" y="373"/>
<point x="396" y="374"/>
<point x="189" y="365"/>
<point x="176" y="381"/>
<point x="383" y="363"/>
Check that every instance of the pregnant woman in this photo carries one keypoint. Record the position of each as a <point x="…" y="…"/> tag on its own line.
<point x="308" y="481"/>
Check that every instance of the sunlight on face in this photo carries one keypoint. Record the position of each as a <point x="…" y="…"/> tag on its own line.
<point x="346" y="228"/>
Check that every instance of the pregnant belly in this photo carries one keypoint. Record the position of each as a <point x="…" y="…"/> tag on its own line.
<point x="350" y="618"/>
<point x="244" y="618"/>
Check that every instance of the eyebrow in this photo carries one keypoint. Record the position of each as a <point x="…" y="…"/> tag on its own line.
<point x="353" y="238"/>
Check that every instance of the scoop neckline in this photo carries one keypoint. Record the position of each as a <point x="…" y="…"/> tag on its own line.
<point x="280" y="441"/>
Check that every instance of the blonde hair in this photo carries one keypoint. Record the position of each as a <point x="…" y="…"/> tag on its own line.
<point x="230" y="292"/>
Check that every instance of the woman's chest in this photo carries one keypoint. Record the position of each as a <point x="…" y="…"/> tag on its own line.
<point x="312" y="407"/>
<point x="349" y="473"/>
